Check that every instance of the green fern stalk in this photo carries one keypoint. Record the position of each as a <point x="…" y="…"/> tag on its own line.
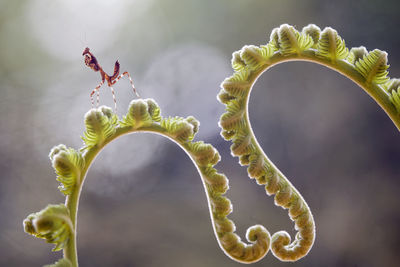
<point x="327" y="48"/>
<point x="58" y="223"/>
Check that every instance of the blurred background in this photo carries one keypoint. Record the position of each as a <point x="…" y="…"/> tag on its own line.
<point x="143" y="203"/>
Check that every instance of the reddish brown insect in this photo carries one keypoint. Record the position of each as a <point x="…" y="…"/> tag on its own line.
<point x="91" y="62"/>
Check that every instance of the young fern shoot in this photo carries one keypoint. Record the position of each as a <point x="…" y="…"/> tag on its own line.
<point x="102" y="127"/>
<point x="368" y="70"/>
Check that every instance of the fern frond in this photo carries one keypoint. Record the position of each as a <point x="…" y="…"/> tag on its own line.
<point x="108" y="112"/>
<point x="293" y="42"/>
<point x="256" y="165"/>
<point x="221" y="206"/>
<point x="224" y="96"/>
<point x="100" y="124"/>
<point x="233" y="118"/>
<point x="61" y="263"/>
<point x="217" y="182"/>
<point x="180" y="128"/>
<point x="241" y="144"/>
<point x="52" y="223"/>
<point x="255" y="57"/>
<point x="67" y="163"/>
<point x="153" y="109"/>
<point x="267" y="50"/>
<point x="228" y="135"/>
<point x="237" y="85"/>
<point x="224" y="225"/>
<point x="138" y="114"/>
<point x="314" y="32"/>
<point x="355" y="54"/>
<point x="196" y="125"/>
<point x="237" y="62"/>
<point x="283" y="195"/>
<point x="235" y="88"/>
<point x="203" y="154"/>
<point x="244" y="159"/>
<point x="260" y="241"/>
<point x="373" y="67"/>
<point x="272" y="185"/>
<point x="331" y="45"/>
<point x="274" y="39"/>
<point x="240" y="76"/>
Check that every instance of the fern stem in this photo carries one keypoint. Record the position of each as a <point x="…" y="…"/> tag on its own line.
<point x="368" y="70"/>
<point x="380" y="96"/>
<point x="72" y="201"/>
<point x="70" y="250"/>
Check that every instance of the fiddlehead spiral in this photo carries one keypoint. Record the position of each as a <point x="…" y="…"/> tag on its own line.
<point x="144" y="115"/>
<point x="369" y="70"/>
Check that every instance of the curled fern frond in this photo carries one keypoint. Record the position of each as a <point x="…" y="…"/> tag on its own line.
<point x="55" y="222"/>
<point x="256" y="167"/>
<point x="331" y="45"/>
<point x="234" y="88"/>
<point x="373" y="67"/>
<point x="52" y="223"/>
<point x="255" y="56"/>
<point x="240" y="76"/>
<point x="216" y="185"/>
<point x="314" y="32"/>
<point x="237" y="62"/>
<point x="236" y="85"/>
<point x="203" y="154"/>
<point x="228" y="135"/>
<point x="224" y="96"/>
<point x="244" y="160"/>
<point x="287" y="44"/>
<point x="356" y="53"/>
<point x="154" y="110"/>
<point x="234" y="115"/>
<point x="221" y="206"/>
<point x="274" y="39"/>
<point x="217" y="182"/>
<point x="196" y="124"/>
<point x="100" y="125"/>
<point x="180" y="129"/>
<point x="139" y="114"/>
<point x="67" y="162"/>
<point x="258" y="237"/>
<point x="61" y="263"/>
<point x="242" y="144"/>
<point x="293" y="42"/>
